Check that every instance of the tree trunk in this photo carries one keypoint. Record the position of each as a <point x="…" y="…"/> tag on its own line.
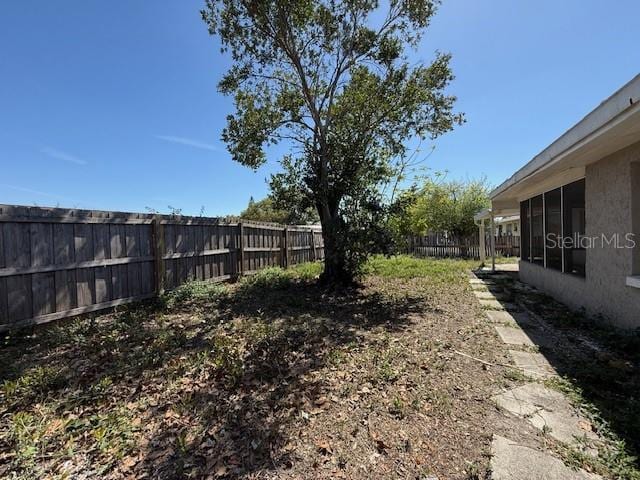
<point x="335" y="272"/>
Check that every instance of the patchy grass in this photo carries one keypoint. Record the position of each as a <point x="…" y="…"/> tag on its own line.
<point x="272" y="377"/>
<point x="194" y="293"/>
<point x="404" y="266"/>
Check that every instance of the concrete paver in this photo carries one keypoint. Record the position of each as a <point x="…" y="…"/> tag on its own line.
<point x="510" y="461"/>
<point x="496" y="305"/>
<point x="512" y="318"/>
<point x="547" y="410"/>
<point x="483" y="294"/>
<point x="513" y="335"/>
<point x="532" y="364"/>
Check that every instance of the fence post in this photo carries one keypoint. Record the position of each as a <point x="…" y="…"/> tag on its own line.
<point x="313" y="244"/>
<point x="287" y="259"/>
<point x="241" y="248"/>
<point x="158" y="253"/>
<point x="283" y="248"/>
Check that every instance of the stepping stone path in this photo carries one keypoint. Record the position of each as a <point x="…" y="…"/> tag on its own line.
<point x="547" y="410"/>
<point x="496" y="305"/>
<point x="544" y="408"/>
<point x="486" y="295"/>
<point x="533" y="364"/>
<point x="513" y="319"/>
<point x="513" y="336"/>
<point x="510" y="461"/>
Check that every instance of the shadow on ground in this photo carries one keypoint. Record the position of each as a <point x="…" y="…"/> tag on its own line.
<point x="248" y="422"/>
<point x="216" y="392"/>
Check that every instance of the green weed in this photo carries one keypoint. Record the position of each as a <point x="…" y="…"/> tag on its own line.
<point x="272" y="278"/>
<point x="33" y="383"/>
<point x="197" y="291"/>
<point x="307" y="271"/>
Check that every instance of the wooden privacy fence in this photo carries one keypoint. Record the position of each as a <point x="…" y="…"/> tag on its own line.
<point x="507" y="245"/>
<point x="57" y="263"/>
<point x="440" y="245"/>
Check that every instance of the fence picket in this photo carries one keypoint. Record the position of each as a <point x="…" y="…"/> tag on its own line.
<point x="440" y="246"/>
<point x="56" y="263"/>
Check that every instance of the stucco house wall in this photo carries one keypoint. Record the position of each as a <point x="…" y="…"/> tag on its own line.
<point x="612" y="189"/>
<point x="635" y="213"/>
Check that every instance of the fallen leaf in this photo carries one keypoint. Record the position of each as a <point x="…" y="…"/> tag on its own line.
<point x="381" y="446"/>
<point x="585" y="425"/>
<point x="221" y="471"/>
<point x="324" y="447"/>
<point x="320" y="401"/>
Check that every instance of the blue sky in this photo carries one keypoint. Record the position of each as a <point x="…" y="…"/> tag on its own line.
<point x="113" y="105"/>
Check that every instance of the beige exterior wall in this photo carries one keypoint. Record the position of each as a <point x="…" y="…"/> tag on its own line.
<point x="612" y="196"/>
<point x="635" y="213"/>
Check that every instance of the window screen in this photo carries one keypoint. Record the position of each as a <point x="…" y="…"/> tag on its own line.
<point x="574" y="227"/>
<point x="537" y="230"/>
<point x="553" y="228"/>
<point x="525" y="222"/>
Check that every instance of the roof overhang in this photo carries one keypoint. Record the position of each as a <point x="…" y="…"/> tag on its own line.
<point x="613" y="125"/>
<point x="483" y="214"/>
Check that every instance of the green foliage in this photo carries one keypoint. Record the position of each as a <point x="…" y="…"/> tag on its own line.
<point x="33" y="384"/>
<point x="32" y="433"/>
<point x="277" y="278"/>
<point x="272" y="278"/>
<point x="441" y="206"/>
<point x="333" y="80"/>
<point x="307" y="271"/>
<point x="198" y="291"/>
<point x="26" y="432"/>
<point x="112" y="432"/>
<point x="225" y="356"/>
<point x="267" y="210"/>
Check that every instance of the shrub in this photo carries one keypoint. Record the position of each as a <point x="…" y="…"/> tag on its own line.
<point x="307" y="271"/>
<point x="272" y="278"/>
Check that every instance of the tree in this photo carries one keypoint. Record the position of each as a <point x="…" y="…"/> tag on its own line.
<point x="267" y="210"/>
<point x="443" y="206"/>
<point x="337" y="85"/>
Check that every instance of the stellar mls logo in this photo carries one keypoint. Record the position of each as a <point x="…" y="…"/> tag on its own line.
<point x="615" y="240"/>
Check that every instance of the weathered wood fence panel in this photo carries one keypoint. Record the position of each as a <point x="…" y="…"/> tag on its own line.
<point x="57" y="263"/>
<point x="508" y="245"/>
<point x="440" y="245"/>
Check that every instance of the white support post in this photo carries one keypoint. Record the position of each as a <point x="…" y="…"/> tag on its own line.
<point x="483" y="248"/>
<point x="493" y="245"/>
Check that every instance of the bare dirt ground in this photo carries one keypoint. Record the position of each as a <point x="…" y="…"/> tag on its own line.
<point x="269" y="378"/>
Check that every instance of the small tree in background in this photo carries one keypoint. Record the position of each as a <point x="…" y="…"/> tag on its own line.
<point x="332" y="79"/>
<point x="268" y="210"/>
<point x="441" y="206"/>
